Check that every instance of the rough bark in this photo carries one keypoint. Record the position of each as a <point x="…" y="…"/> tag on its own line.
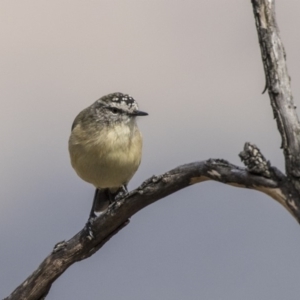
<point x="278" y="84"/>
<point x="279" y="89"/>
<point x="258" y="174"/>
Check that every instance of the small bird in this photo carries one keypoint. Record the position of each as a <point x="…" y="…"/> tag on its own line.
<point x="105" y="147"/>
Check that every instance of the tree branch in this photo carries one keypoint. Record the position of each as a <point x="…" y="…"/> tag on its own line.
<point x="116" y="217"/>
<point x="278" y="84"/>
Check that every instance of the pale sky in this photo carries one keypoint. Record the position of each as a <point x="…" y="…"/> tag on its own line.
<point x="195" y="67"/>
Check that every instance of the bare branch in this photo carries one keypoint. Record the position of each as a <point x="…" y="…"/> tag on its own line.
<point x="116" y="217"/>
<point x="278" y="84"/>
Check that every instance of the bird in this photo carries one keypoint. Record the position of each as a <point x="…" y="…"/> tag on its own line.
<point x="105" y="147"/>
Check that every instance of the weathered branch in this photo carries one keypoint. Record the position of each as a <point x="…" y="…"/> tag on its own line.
<point x="278" y="84"/>
<point x="105" y="226"/>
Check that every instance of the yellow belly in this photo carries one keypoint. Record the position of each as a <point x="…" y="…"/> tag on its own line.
<point x="110" y="159"/>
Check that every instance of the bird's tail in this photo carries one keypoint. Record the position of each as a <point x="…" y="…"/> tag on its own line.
<point x="102" y="199"/>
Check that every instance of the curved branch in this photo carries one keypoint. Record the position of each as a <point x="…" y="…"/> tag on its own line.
<point x="278" y="84"/>
<point x="79" y="247"/>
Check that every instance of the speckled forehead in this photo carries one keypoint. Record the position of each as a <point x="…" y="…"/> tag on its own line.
<point x="120" y="100"/>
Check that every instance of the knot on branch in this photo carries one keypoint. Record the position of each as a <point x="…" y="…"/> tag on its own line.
<point x="59" y="246"/>
<point x="255" y="161"/>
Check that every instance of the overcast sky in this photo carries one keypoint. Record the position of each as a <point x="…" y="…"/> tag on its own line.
<point x="195" y="67"/>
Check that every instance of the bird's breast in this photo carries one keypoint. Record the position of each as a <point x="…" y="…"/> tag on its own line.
<point x="109" y="158"/>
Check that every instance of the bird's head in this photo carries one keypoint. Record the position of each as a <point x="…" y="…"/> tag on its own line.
<point x="117" y="107"/>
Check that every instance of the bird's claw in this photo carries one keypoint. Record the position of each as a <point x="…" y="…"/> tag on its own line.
<point x="122" y="193"/>
<point x="88" y="227"/>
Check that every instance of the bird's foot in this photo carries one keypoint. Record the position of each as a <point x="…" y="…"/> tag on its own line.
<point x="121" y="193"/>
<point x="88" y="228"/>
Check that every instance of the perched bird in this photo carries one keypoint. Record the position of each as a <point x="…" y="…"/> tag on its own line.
<point x="106" y="147"/>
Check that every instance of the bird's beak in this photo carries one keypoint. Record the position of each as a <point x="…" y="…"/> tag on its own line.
<point x="139" y="113"/>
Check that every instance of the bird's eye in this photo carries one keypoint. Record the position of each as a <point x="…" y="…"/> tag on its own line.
<point x="114" y="110"/>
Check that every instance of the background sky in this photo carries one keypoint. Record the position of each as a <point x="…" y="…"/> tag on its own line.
<point x="195" y="67"/>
